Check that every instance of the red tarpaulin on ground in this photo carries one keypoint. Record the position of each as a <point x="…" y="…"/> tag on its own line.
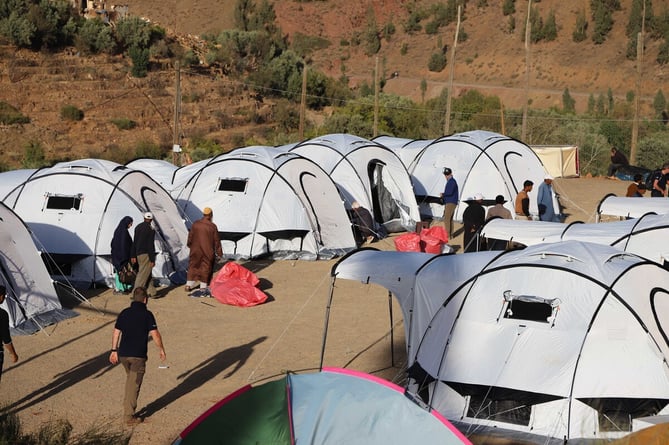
<point x="236" y="285"/>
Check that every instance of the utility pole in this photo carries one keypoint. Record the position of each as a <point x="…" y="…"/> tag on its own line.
<point x="447" y="123"/>
<point x="375" y="130"/>
<point x="501" y="117"/>
<point x="303" y="100"/>
<point x="528" y="26"/>
<point x="637" y="95"/>
<point x="176" y="143"/>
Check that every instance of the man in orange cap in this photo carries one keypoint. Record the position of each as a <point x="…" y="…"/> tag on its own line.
<point x="205" y="246"/>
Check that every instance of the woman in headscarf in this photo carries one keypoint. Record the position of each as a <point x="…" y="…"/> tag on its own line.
<point x="121" y="245"/>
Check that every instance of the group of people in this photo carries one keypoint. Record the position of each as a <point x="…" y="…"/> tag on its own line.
<point x="138" y="251"/>
<point x="136" y="323"/>
<point x="474" y="216"/>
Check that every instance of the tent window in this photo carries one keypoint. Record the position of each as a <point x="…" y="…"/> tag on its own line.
<point x="530" y="307"/>
<point x="59" y="202"/>
<point x="524" y="310"/>
<point x="232" y="185"/>
<point x="508" y="411"/>
<point x="614" y="421"/>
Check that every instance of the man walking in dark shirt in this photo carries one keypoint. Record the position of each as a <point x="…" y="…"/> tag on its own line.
<point x="144" y="253"/>
<point x="133" y="326"/>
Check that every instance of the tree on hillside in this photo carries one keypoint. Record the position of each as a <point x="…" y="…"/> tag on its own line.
<point x="55" y="24"/>
<point x="568" y="102"/>
<point x="602" y="16"/>
<point x="659" y="103"/>
<point x="243" y="11"/>
<point x="43" y="24"/>
<point x="508" y="7"/>
<point x="580" y="30"/>
<point x="550" y="27"/>
<point x="636" y="11"/>
<point x="600" y="107"/>
<point x="95" y="37"/>
<point x="591" y="104"/>
<point x="371" y="34"/>
<point x="17" y="29"/>
<point x="133" y="32"/>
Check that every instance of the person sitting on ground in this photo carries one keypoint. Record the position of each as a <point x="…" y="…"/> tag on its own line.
<point x="618" y="159"/>
<point x="637" y="188"/>
<point x="363" y="224"/>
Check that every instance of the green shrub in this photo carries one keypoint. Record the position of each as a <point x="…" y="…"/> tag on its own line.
<point x="10" y="115"/>
<point x="140" y="61"/>
<point x="33" y="155"/>
<point x="304" y="45"/>
<point x="146" y="149"/>
<point x="580" y="30"/>
<point x="124" y="123"/>
<point x="508" y="7"/>
<point x="202" y="148"/>
<point x="437" y="62"/>
<point x="71" y="113"/>
<point x="388" y="30"/>
<point x="95" y="37"/>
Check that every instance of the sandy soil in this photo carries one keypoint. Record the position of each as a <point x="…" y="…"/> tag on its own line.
<point x="213" y="349"/>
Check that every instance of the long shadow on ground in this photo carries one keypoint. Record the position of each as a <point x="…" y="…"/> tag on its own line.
<point x="202" y="373"/>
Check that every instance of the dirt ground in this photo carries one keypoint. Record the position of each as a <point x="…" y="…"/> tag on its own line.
<point x="213" y="349"/>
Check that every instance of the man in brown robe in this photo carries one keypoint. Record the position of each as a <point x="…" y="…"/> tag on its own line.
<point x="205" y="246"/>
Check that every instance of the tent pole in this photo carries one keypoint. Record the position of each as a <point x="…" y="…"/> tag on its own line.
<point x="327" y="320"/>
<point x="392" y="332"/>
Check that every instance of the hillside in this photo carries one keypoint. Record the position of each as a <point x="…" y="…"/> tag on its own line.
<point x="491" y="60"/>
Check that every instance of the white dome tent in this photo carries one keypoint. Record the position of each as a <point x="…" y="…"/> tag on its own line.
<point x="268" y="202"/>
<point x="646" y="236"/>
<point x="482" y="162"/>
<point x="160" y="171"/>
<point x="32" y="301"/>
<point x="366" y="172"/>
<point x="72" y="208"/>
<point x="559" y="342"/>
<point x="630" y="207"/>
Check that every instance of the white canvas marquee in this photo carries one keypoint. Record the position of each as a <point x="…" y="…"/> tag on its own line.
<point x="560" y="161"/>
<point x="72" y="208"/>
<point x="32" y="301"/>
<point x="268" y="201"/>
<point x="368" y="173"/>
<point x="557" y="342"/>
<point x="482" y="162"/>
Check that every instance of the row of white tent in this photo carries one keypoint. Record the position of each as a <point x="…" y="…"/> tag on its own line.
<point x="555" y="343"/>
<point x="290" y="202"/>
<point x="642" y="231"/>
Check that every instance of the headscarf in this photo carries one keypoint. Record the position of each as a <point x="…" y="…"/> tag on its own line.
<point x="121" y="243"/>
